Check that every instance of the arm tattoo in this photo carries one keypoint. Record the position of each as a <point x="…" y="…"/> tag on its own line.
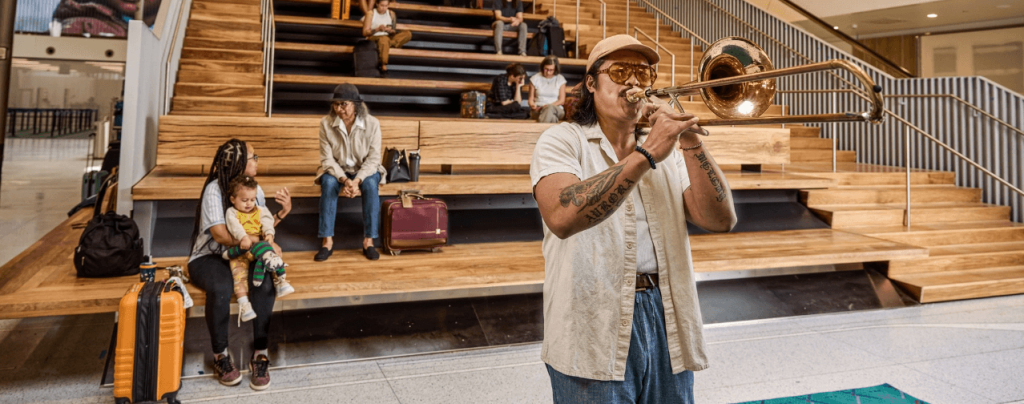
<point x="712" y="176"/>
<point x="588" y="193"/>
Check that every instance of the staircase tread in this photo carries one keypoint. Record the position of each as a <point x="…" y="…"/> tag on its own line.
<point x="896" y="187"/>
<point x="935" y="228"/>
<point x="976" y="248"/>
<point x="259" y="52"/>
<point x="903" y="206"/>
<point x="965" y="277"/>
<point x="219" y="84"/>
<point x="218" y="99"/>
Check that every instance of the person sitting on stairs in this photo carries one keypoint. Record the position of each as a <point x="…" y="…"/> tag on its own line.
<point x="381" y="26"/>
<point x="510" y="13"/>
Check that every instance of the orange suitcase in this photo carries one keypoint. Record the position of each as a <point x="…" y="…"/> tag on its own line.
<point x="150" y="343"/>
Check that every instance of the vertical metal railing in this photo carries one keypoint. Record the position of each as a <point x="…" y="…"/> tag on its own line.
<point x="657" y="48"/>
<point x="171" y="64"/>
<point x="269" y="36"/>
<point x="604" y="19"/>
<point x="983" y="153"/>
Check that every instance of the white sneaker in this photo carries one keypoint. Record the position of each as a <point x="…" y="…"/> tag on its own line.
<point x="283" y="287"/>
<point x="245" y="312"/>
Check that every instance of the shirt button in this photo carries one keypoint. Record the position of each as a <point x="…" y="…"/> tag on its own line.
<point x="629" y="208"/>
<point x="629" y="282"/>
<point x="625" y="323"/>
<point x="629" y="246"/>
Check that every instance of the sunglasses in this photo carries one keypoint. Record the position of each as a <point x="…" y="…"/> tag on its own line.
<point x="343" y="104"/>
<point x="621" y="72"/>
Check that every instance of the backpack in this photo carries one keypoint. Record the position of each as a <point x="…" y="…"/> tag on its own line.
<point x="110" y="245"/>
<point x="364" y="59"/>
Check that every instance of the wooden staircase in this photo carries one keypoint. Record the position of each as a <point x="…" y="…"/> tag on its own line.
<point x="974" y="250"/>
<point x="221" y="69"/>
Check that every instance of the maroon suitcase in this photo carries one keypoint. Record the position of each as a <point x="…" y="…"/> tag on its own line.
<point x="414" y="223"/>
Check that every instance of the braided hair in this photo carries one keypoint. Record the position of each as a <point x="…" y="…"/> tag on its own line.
<point x="228" y="163"/>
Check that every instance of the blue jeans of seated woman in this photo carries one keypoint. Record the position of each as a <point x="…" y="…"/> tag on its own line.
<point x="329" y="190"/>
<point x="649" y="377"/>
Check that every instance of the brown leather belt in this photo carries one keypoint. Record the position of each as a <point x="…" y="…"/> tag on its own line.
<point x="646" y="282"/>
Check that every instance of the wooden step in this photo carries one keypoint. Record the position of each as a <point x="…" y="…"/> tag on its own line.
<point x="232" y="91"/>
<point x="960" y="257"/>
<point x="183" y="105"/>
<point x="240" y="2"/>
<point x="804" y="131"/>
<point x="942" y="234"/>
<point x="815" y="155"/>
<point x="223" y="33"/>
<point x="382" y="82"/>
<point x="842" y="216"/>
<point x="209" y="43"/>
<point x="809" y="143"/>
<point x="220" y="66"/>
<point x="237" y="26"/>
<point x="780" y="249"/>
<point x="244" y="20"/>
<point x="892" y="178"/>
<point x="222" y="54"/>
<point x="225" y="8"/>
<point x="428" y="54"/>
<point x="218" y="77"/>
<point x="959" y="285"/>
<point x="888" y="195"/>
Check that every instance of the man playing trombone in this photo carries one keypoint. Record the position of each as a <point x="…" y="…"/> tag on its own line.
<point x="621" y="317"/>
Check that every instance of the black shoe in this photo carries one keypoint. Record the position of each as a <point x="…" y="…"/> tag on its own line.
<point x="383" y="74"/>
<point x="371" y="253"/>
<point x="323" y="254"/>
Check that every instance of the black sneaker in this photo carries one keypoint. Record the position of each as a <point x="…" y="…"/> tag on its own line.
<point x="323" y="254"/>
<point x="227" y="373"/>
<point x="371" y="253"/>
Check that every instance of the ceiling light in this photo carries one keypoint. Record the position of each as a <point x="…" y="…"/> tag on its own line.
<point x="932" y="15"/>
<point x="836" y="28"/>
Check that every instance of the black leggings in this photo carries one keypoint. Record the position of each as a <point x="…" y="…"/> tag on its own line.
<point x="212" y="274"/>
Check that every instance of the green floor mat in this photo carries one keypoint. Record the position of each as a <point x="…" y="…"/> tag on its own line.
<point x="883" y="394"/>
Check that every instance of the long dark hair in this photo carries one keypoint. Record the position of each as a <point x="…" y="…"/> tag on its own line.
<point x="586" y="113"/>
<point x="228" y="163"/>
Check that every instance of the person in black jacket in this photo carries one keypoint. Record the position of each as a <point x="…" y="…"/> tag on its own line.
<point x="508" y="13"/>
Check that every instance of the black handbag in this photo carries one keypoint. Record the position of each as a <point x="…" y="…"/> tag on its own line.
<point x="397" y="165"/>
<point x="110" y="245"/>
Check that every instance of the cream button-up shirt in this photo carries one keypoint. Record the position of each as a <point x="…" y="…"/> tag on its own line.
<point x="589" y="277"/>
<point x="350" y="152"/>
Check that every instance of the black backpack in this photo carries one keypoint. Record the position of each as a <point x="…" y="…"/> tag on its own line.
<point x="364" y="59"/>
<point x="110" y="245"/>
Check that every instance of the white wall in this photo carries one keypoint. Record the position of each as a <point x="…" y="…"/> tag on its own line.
<point x="142" y="108"/>
<point x="955" y="55"/>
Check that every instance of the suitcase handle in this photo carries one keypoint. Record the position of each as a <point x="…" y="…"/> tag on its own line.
<point x="408" y="195"/>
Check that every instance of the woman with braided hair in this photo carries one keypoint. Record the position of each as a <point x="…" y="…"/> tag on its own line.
<point x="211" y="273"/>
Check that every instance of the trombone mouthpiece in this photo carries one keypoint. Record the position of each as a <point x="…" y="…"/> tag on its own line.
<point x="636" y="94"/>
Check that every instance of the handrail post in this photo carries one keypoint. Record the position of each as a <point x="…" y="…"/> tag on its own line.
<point x="577" y="52"/>
<point x="627" y="17"/>
<point x="834" y="133"/>
<point x="906" y="151"/>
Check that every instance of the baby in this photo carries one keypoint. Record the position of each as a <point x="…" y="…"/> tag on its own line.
<point x="253" y="226"/>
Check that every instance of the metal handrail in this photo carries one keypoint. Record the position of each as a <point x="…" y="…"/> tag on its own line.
<point x="577" y="52"/>
<point x="604" y="20"/>
<point x="659" y="45"/>
<point x="169" y="92"/>
<point x="269" y="36"/>
<point x="273" y="57"/>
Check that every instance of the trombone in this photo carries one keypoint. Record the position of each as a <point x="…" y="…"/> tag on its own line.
<point x="736" y="80"/>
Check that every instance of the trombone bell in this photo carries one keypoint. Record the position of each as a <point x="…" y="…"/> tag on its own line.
<point x="732" y="57"/>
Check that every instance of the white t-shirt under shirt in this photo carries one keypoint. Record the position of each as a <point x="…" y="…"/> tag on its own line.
<point x="545" y="89"/>
<point x="646" y="261"/>
<point x="380" y="19"/>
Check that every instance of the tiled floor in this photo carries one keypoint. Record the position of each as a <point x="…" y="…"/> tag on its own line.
<point x="961" y="352"/>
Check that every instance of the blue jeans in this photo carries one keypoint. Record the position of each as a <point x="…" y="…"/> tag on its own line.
<point x="329" y="190"/>
<point x="649" y="377"/>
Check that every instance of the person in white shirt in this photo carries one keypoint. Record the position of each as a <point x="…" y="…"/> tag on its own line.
<point x="547" y="92"/>
<point x="381" y="26"/>
<point x="622" y="322"/>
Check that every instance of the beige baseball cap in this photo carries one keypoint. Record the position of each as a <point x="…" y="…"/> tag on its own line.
<point x="621" y="42"/>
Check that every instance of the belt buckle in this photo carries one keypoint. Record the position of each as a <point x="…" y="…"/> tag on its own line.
<point x="650" y="283"/>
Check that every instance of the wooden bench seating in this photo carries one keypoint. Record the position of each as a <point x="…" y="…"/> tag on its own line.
<point x="403" y="9"/>
<point x="289" y="154"/>
<point x="422" y="54"/>
<point x="41" y="280"/>
<point x="419" y="32"/>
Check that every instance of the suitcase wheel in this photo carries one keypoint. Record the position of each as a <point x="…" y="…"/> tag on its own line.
<point x="435" y="249"/>
<point x="396" y="253"/>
